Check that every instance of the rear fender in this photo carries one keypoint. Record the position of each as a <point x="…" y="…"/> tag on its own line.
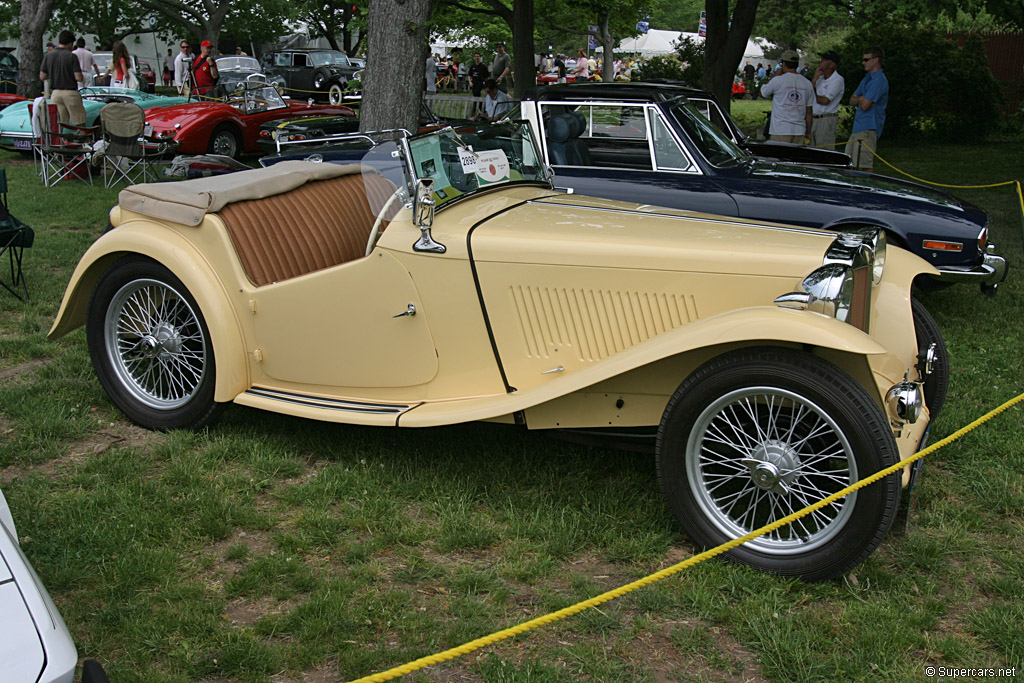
<point x="179" y="256"/>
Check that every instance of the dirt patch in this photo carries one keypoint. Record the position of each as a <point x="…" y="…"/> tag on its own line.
<point x="121" y="434"/>
<point x="326" y="673"/>
<point x="11" y="374"/>
<point x="17" y="162"/>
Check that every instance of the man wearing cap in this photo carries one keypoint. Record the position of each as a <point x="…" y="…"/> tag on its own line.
<point x="500" y="67"/>
<point x="204" y="69"/>
<point x="64" y="73"/>
<point x="792" y="100"/>
<point x="828" y="95"/>
<point x="870" y="99"/>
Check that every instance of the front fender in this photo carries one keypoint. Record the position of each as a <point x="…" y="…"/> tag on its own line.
<point x="178" y="255"/>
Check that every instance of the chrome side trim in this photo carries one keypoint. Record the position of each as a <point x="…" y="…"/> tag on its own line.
<point x="739" y="223"/>
<point x="327" y="403"/>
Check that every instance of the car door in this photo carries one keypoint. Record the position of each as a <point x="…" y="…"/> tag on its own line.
<point x="348" y="326"/>
<point x="626" y="151"/>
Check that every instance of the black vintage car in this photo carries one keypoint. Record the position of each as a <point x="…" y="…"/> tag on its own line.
<point x="648" y="143"/>
<point x="237" y="70"/>
<point x="310" y="73"/>
<point x="8" y="71"/>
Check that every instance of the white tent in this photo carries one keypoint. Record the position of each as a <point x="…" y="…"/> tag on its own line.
<point x="659" y="42"/>
<point x="654" y="42"/>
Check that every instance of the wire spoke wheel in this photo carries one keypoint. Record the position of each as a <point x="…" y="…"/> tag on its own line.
<point x="757" y="455"/>
<point x="151" y="347"/>
<point x="753" y="436"/>
<point x="156" y="345"/>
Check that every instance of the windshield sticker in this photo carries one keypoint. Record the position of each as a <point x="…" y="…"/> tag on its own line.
<point x="427" y="153"/>
<point x="492" y="167"/>
<point x="468" y="159"/>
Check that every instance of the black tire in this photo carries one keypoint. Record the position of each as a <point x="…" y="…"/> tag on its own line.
<point x="725" y="471"/>
<point x="224" y="140"/>
<point x="150" y="346"/>
<point x="927" y="331"/>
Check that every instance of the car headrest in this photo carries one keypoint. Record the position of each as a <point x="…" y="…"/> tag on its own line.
<point x="579" y="123"/>
<point x="559" y="128"/>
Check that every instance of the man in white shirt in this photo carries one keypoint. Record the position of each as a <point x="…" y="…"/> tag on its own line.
<point x="792" y="98"/>
<point x="496" y="104"/>
<point x="86" y="62"/>
<point x="182" y="62"/>
<point x="829" y="87"/>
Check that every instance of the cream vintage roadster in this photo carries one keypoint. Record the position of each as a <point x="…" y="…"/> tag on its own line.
<point x="442" y="280"/>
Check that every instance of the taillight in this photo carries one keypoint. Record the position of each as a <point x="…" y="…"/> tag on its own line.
<point x="983" y="239"/>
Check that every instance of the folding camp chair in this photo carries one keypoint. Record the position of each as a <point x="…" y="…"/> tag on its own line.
<point x="64" y="150"/>
<point x="15" y="238"/>
<point x="128" y="150"/>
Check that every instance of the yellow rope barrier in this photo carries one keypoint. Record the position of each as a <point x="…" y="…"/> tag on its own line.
<point x="1017" y="183"/>
<point x="532" y="624"/>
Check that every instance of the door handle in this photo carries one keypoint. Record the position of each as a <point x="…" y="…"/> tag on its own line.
<point x="411" y="311"/>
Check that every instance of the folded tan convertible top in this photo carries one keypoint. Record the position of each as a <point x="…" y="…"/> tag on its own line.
<point x="188" y="201"/>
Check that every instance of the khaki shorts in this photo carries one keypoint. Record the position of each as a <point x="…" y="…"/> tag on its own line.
<point x="823" y="131"/>
<point x="69" y="106"/>
<point x="795" y="139"/>
<point x="861" y="149"/>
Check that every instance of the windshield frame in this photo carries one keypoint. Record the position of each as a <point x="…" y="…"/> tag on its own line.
<point x="460" y="134"/>
<point x="690" y="121"/>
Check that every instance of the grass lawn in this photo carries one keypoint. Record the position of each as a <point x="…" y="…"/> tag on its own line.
<point x="268" y="548"/>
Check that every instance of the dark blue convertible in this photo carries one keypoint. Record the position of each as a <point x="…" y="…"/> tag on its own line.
<point x="647" y="143"/>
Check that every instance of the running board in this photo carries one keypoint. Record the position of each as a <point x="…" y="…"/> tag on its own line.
<point x="322" y="408"/>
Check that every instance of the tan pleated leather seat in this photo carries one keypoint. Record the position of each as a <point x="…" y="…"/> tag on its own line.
<point x="318" y="225"/>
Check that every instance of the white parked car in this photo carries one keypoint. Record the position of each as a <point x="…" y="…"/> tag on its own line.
<point x="35" y="645"/>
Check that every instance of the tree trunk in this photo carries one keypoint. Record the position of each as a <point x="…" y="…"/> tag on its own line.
<point x="396" y="45"/>
<point x="607" y="48"/>
<point x="724" y="46"/>
<point x="523" y="66"/>
<point x="32" y="22"/>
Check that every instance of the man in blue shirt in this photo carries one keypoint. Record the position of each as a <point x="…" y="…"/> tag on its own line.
<point x="870" y="99"/>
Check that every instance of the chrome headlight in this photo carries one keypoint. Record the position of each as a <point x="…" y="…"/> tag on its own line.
<point x="860" y="248"/>
<point x="828" y="290"/>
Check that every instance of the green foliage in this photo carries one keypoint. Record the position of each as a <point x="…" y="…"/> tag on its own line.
<point x="687" y="64"/>
<point x="977" y="22"/>
<point x="937" y="88"/>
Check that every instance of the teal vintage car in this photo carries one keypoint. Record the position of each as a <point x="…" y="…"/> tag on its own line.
<point x="16" y="125"/>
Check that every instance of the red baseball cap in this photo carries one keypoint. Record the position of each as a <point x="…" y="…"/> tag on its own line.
<point x="206" y="43"/>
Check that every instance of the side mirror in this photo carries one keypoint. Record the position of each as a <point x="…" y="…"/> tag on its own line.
<point x="423" y="211"/>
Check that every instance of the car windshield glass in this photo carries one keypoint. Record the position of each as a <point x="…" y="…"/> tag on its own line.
<point x="470" y="159"/>
<point x="330" y="58"/>
<point x="712" y="143"/>
<point x="238" y="64"/>
<point x="254" y="100"/>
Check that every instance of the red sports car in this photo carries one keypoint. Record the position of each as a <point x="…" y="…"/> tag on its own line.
<point x="7" y="99"/>
<point x="231" y="127"/>
<point x="549" y="76"/>
<point x="147" y="72"/>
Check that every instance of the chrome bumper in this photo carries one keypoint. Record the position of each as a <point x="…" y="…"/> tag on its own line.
<point x="989" y="273"/>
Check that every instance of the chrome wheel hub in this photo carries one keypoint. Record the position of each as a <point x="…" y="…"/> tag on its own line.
<point x="773" y="466"/>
